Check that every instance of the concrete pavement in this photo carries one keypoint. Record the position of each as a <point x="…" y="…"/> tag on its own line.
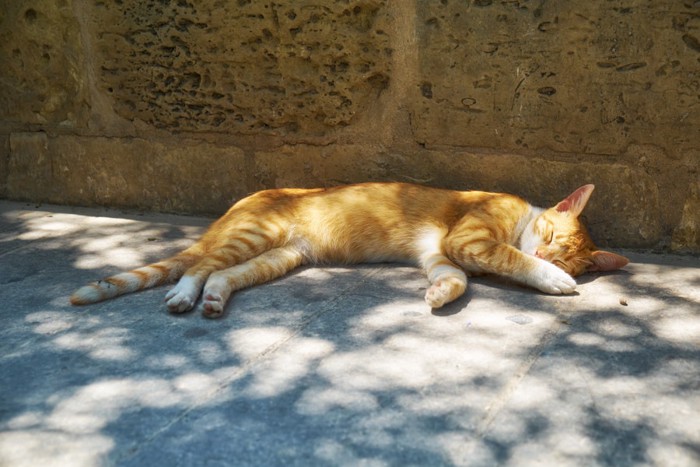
<point x="335" y="365"/>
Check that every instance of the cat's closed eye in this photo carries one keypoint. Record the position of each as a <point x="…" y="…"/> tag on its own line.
<point x="549" y="236"/>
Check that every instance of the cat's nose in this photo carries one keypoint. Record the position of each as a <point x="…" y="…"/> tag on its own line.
<point x="538" y="254"/>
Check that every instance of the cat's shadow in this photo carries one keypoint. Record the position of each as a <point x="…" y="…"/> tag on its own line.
<point x="462" y="303"/>
<point x="593" y="276"/>
<point x="454" y="307"/>
<point x="505" y="285"/>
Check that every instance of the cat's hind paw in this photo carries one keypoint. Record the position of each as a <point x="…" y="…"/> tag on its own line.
<point x="182" y="297"/>
<point x="178" y="302"/>
<point x="212" y="305"/>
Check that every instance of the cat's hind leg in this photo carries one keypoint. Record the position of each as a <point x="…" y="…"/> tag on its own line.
<point x="183" y="296"/>
<point x="234" y="239"/>
<point x="263" y="268"/>
<point x="448" y="281"/>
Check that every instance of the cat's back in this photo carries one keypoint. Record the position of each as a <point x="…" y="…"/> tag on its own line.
<point x="387" y="203"/>
<point x="392" y="200"/>
<point x="384" y="200"/>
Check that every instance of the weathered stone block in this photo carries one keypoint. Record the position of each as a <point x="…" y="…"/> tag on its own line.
<point x="310" y="166"/>
<point x="246" y="66"/>
<point x="589" y="77"/>
<point x="29" y="167"/>
<point x="43" y="71"/>
<point x="624" y="210"/>
<point x="184" y="176"/>
<point x="4" y="164"/>
<point x="553" y="94"/>
<point x="686" y="237"/>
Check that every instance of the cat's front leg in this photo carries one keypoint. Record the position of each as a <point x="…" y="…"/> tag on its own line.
<point x="506" y="260"/>
<point x="448" y="281"/>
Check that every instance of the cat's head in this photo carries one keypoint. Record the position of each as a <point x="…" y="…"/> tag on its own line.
<point x="558" y="236"/>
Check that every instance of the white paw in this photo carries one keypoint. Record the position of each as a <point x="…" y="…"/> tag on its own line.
<point x="182" y="297"/>
<point x="552" y="280"/>
<point x="179" y="302"/>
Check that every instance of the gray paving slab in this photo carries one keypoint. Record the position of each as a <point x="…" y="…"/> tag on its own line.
<point x="335" y="365"/>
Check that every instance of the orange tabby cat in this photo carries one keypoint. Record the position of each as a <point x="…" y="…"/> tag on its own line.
<point x="269" y="233"/>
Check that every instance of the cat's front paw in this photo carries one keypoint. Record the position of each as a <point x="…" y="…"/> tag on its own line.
<point x="444" y="291"/>
<point x="552" y="280"/>
<point x="436" y="295"/>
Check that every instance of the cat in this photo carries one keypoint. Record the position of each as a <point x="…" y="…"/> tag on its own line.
<point x="450" y="234"/>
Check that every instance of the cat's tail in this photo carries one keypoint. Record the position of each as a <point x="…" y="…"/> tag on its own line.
<point x="141" y="278"/>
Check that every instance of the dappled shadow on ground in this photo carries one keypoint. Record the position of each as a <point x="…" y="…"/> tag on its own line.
<point x="336" y="365"/>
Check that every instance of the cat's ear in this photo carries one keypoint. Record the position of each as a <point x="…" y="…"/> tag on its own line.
<point x="606" y="261"/>
<point x="576" y="201"/>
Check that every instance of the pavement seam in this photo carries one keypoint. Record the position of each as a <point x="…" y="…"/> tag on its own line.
<point x="13" y="250"/>
<point x="249" y="364"/>
<point x="497" y="404"/>
<point x="29" y="243"/>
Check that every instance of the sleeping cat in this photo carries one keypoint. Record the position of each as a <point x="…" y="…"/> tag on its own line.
<point x="450" y="234"/>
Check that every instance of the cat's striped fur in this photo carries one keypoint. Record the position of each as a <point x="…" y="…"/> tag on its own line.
<point x="450" y="234"/>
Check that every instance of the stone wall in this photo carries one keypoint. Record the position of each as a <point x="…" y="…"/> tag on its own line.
<point x="186" y="106"/>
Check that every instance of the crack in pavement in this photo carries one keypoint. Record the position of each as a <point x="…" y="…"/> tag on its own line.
<point x="497" y="404"/>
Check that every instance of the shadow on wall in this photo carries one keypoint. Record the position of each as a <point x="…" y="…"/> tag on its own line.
<point x="328" y="365"/>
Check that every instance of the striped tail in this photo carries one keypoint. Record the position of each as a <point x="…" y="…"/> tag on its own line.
<point x="141" y="278"/>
